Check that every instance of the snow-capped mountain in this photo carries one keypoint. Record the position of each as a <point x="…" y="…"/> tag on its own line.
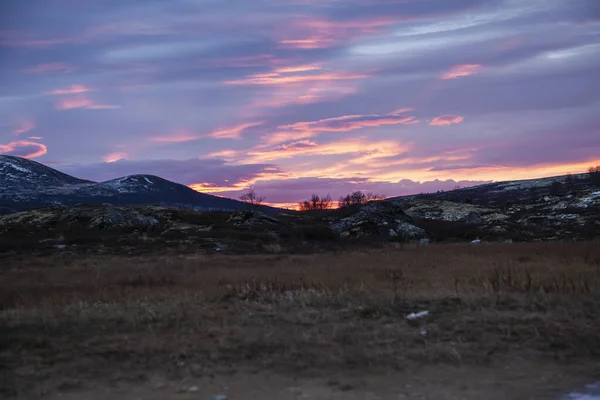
<point x="26" y="184"/>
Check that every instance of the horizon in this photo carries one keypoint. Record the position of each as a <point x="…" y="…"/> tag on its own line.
<point x="324" y="97"/>
<point x="334" y="200"/>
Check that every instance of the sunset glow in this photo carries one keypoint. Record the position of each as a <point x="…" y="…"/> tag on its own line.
<point x="302" y="97"/>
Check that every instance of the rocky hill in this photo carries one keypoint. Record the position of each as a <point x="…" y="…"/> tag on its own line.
<point x="556" y="208"/>
<point x="26" y="184"/>
<point x="130" y="229"/>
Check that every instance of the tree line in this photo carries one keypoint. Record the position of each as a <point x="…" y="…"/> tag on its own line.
<point x="316" y="202"/>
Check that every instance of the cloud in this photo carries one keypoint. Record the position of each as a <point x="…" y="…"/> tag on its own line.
<point x="459" y="71"/>
<point x="73" y="89"/>
<point x="114" y="157"/>
<point x="234" y="132"/>
<point x="360" y="149"/>
<point x="351" y="122"/>
<point x="24" y="125"/>
<point x="81" y="101"/>
<point x="282" y="137"/>
<point x="23" y="148"/>
<point x="317" y="33"/>
<point x="177" y="137"/>
<point x="294" y="74"/>
<point x="446" y="120"/>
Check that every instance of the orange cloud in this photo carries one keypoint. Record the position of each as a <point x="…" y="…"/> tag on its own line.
<point x="82" y="102"/>
<point x="461" y="70"/>
<point x="73" y="89"/>
<point x="24" y="148"/>
<point x="446" y="120"/>
<point x="112" y="157"/>
<point x="25" y="125"/>
<point x="352" y="122"/>
<point x="235" y="131"/>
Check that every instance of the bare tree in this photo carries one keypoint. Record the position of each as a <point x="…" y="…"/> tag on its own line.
<point x="252" y="197"/>
<point x="357" y="197"/>
<point x="316" y="203"/>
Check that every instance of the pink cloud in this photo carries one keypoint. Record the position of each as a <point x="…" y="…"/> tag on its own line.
<point x="36" y="137"/>
<point x="351" y="122"/>
<point x="73" y="89"/>
<point x="178" y="137"/>
<point x="24" y="148"/>
<point x="446" y="120"/>
<point x="316" y="33"/>
<point x="361" y="150"/>
<point x="294" y="74"/>
<point x="459" y="71"/>
<point x="234" y="132"/>
<point x="84" y="102"/>
<point x="24" y="126"/>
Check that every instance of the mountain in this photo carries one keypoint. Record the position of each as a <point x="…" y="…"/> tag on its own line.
<point x="26" y="184"/>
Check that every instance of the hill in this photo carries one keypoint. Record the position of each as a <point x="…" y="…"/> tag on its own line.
<point x="26" y="185"/>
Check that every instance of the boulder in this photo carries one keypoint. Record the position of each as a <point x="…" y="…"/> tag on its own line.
<point x="382" y="218"/>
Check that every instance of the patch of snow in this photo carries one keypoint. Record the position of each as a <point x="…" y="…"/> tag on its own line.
<point x="476" y="241"/>
<point x="14" y="166"/>
<point x="148" y="180"/>
<point x="590" y="392"/>
<point x="420" y="314"/>
<point x="567" y="216"/>
<point x="595" y="194"/>
<point x="560" y="206"/>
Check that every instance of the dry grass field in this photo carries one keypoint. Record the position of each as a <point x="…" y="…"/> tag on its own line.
<point x="514" y="321"/>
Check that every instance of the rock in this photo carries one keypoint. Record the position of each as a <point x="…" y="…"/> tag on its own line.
<point x="378" y="218"/>
<point x="251" y="217"/>
<point x="220" y="397"/>
<point x="473" y="218"/>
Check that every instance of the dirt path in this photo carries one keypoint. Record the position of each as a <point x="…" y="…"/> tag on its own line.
<point x="519" y="381"/>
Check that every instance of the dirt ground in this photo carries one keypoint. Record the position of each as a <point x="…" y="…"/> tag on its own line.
<point x="504" y="322"/>
<point x="517" y="380"/>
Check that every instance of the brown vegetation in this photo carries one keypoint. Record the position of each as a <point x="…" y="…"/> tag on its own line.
<point x="73" y="316"/>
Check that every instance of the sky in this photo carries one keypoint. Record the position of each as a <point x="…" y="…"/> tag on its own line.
<point x="294" y="97"/>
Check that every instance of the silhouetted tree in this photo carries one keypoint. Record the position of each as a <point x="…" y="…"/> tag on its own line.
<point x="594" y="173"/>
<point x="356" y="198"/>
<point x="316" y="203"/>
<point x="251" y="197"/>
